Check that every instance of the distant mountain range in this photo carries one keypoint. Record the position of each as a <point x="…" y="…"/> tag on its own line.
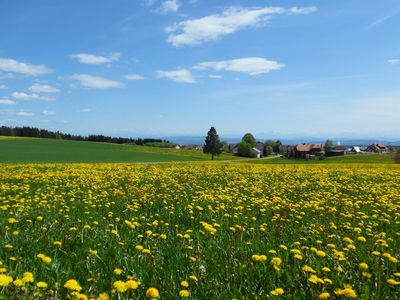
<point x="185" y="140"/>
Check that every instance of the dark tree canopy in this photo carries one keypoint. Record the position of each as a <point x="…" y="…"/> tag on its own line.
<point x="249" y="138"/>
<point x="212" y="145"/>
<point x="43" y="133"/>
<point x="328" y="146"/>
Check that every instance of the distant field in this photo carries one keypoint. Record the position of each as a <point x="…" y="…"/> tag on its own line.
<point x="34" y="150"/>
<point x="351" y="158"/>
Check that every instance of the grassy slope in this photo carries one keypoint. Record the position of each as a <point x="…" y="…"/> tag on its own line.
<point x="361" y="158"/>
<point x="34" y="150"/>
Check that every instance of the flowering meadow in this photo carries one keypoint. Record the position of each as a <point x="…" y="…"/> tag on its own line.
<point x="200" y="231"/>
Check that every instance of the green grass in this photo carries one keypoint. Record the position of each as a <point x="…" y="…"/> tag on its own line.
<point x="35" y="150"/>
<point x="351" y="158"/>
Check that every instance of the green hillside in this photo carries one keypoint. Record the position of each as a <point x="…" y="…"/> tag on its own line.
<point x="35" y="150"/>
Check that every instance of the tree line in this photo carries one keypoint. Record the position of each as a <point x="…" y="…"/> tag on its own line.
<point x="47" y="134"/>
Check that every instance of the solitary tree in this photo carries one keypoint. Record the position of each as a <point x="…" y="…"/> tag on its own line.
<point x="212" y="144"/>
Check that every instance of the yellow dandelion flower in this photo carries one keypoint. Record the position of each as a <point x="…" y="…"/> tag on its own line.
<point x="12" y="220"/>
<point x="117" y="271"/>
<point x="5" y="280"/>
<point x="132" y="284"/>
<point x="347" y="292"/>
<point x="308" y="269"/>
<point x="152" y="293"/>
<point x="73" y="285"/>
<point x="363" y="266"/>
<point x="366" y="275"/>
<point x="184" y="293"/>
<point x="324" y="295"/>
<point x="19" y="282"/>
<point x="103" y="296"/>
<point x="326" y="269"/>
<point x="41" y="284"/>
<point x="92" y="252"/>
<point x="185" y="284"/>
<point x="277" y="292"/>
<point x="361" y="239"/>
<point x="46" y="260"/>
<point x="120" y="286"/>
<point x="393" y="282"/>
<point x="276" y="261"/>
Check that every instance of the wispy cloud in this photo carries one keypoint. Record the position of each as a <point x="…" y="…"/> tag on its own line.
<point x="213" y="76"/>
<point x="85" y="110"/>
<point x="7" y="102"/>
<point x="383" y="19"/>
<point x="24" y="113"/>
<point x="25" y="96"/>
<point x="394" y="61"/>
<point x="92" y="59"/>
<point x="48" y="113"/>
<point x="179" y="75"/>
<point x="14" y="66"/>
<point x="212" y="27"/>
<point x="20" y="113"/>
<point x="96" y="82"/>
<point x="3" y="87"/>
<point x="43" y="88"/>
<point x="170" y="6"/>
<point x="249" y="65"/>
<point x="133" y="77"/>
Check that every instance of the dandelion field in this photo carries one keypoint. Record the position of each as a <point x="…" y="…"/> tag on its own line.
<point x="203" y="231"/>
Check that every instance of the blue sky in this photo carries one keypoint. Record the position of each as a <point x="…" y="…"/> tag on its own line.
<point x="155" y="67"/>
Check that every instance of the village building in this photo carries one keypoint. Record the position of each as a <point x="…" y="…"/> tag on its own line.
<point x="378" y="148"/>
<point x="308" y="151"/>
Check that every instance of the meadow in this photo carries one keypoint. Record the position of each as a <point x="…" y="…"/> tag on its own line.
<point x="200" y="231"/>
<point x="36" y="150"/>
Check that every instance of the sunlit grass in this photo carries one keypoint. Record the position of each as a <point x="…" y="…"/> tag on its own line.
<point x="207" y="231"/>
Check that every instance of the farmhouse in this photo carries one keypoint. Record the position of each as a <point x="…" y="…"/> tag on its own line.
<point x="378" y="148"/>
<point x="257" y="153"/>
<point x="308" y="150"/>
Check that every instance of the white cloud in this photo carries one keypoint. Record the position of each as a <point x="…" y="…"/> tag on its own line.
<point x="91" y="59"/>
<point x="43" y="88"/>
<point x="7" y="102"/>
<point x="209" y="28"/>
<point x="249" y="65"/>
<point x="133" y="77"/>
<point x="96" y="82"/>
<point x="85" y="110"/>
<point x="3" y="87"/>
<point x="170" y="6"/>
<point x="23" y="114"/>
<point x="48" y="113"/>
<point x="215" y="76"/>
<point x="24" y="96"/>
<point x="394" y="61"/>
<point x="180" y="75"/>
<point x="13" y="66"/>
